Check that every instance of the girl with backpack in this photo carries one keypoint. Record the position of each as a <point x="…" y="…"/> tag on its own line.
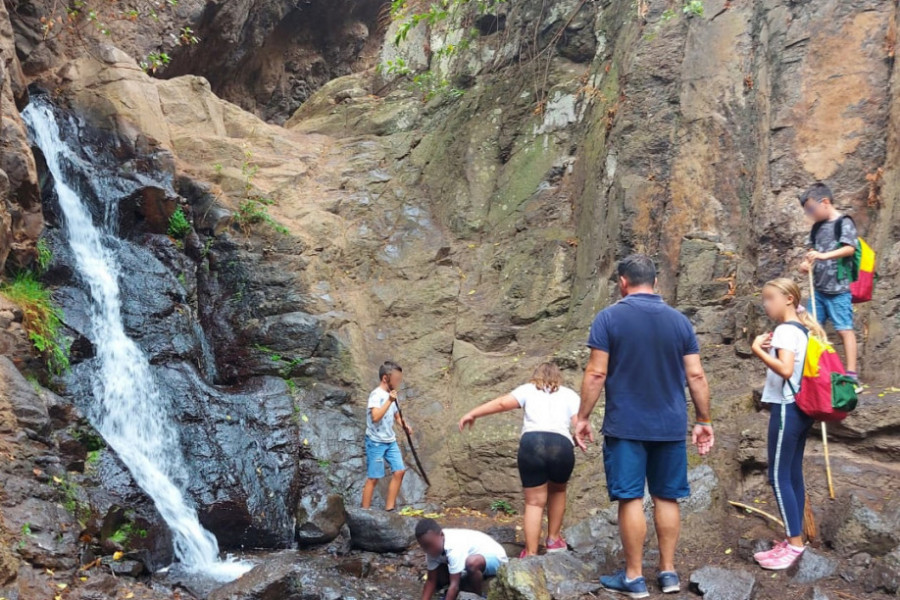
<point x="784" y="351"/>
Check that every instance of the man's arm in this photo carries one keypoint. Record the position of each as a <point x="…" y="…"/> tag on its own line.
<point x="591" y="386"/>
<point x="430" y="585"/>
<point x="453" y="590"/>
<point x="378" y="412"/>
<point x="702" y="435"/>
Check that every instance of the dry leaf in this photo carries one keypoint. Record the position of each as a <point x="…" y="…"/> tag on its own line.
<point x="118" y="555"/>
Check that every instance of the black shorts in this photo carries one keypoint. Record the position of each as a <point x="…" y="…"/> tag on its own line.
<point x="543" y="457"/>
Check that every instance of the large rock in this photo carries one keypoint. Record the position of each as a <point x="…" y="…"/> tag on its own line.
<point x="854" y="525"/>
<point x="560" y="576"/>
<point x="596" y="537"/>
<point x="715" y="583"/>
<point x="813" y="567"/>
<point x="276" y="578"/>
<point x="320" y="516"/>
<point x="379" y="531"/>
<point x="29" y="402"/>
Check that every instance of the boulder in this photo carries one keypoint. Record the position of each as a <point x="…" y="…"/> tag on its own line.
<point x="715" y="583"/>
<point x="855" y="525"/>
<point x="885" y="573"/>
<point x="320" y="517"/>
<point x="278" y="577"/>
<point x="703" y="483"/>
<point x="597" y="536"/>
<point x="379" y="531"/>
<point x="560" y="576"/>
<point x="813" y="567"/>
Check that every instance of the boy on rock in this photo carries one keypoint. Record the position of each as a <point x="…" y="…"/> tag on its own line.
<point x="381" y="441"/>
<point x="457" y="558"/>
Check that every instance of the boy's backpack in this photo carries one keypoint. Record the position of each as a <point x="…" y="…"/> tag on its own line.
<point x="859" y="269"/>
<point x="826" y="392"/>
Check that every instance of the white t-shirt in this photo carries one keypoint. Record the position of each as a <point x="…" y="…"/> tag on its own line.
<point x="547" y="412"/>
<point x="785" y="337"/>
<point x="383" y="430"/>
<point x="460" y="544"/>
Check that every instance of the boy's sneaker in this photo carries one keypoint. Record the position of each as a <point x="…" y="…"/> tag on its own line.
<point x="617" y="582"/>
<point x="783" y="560"/>
<point x="559" y="545"/>
<point x="668" y="582"/>
<point x="776" y="548"/>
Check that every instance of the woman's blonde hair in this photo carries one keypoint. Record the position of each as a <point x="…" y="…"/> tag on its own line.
<point x="547" y="377"/>
<point x="789" y="288"/>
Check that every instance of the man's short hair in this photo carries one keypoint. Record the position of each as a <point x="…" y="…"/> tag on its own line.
<point x="817" y="192"/>
<point x="426" y="525"/>
<point x="387" y="368"/>
<point x="637" y="269"/>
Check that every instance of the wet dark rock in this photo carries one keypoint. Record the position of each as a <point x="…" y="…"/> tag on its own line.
<point x="128" y="568"/>
<point x="379" y="531"/>
<point x="342" y="544"/>
<point x="146" y="210"/>
<point x="813" y="567"/>
<point x="715" y="583"/>
<point x="276" y="578"/>
<point x="560" y="576"/>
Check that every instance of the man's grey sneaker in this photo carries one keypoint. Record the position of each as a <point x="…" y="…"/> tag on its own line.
<point x="669" y="582"/>
<point x="617" y="582"/>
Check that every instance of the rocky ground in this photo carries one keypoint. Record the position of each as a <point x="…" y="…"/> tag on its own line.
<point x="469" y="233"/>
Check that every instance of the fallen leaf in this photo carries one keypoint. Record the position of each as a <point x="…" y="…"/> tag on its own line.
<point x="306" y="442"/>
<point x="728" y="551"/>
<point x="37" y="472"/>
<point x="118" y="555"/>
<point x="471" y="292"/>
<point x="305" y="419"/>
<point x="62" y="586"/>
<point x="129" y="595"/>
<point x="57" y="479"/>
<point x="49" y="572"/>
<point x="82" y="578"/>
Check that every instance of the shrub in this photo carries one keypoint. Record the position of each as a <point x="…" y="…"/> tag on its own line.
<point x="44" y="254"/>
<point x="179" y="226"/>
<point x="41" y="318"/>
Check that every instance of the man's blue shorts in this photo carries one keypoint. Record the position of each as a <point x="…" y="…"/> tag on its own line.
<point x="491" y="564"/>
<point x="838" y="308"/>
<point x="379" y="452"/>
<point x="631" y="463"/>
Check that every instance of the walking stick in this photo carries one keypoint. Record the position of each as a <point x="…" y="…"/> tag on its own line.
<point x="411" y="446"/>
<point x="812" y="303"/>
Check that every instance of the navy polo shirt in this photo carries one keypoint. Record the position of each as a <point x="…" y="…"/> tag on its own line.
<point x="646" y="340"/>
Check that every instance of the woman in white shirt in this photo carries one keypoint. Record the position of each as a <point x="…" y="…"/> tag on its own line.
<point x="546" y="451"/>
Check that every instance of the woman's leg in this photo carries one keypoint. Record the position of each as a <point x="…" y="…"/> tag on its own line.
<point x="535" y="501"/>
<point x="556" y="509"/>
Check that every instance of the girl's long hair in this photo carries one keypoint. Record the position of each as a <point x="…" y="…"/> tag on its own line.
<point x="790" y="289"/>
<point x="547" y="377"/>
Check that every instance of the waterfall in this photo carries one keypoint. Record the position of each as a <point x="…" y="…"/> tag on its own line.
<point x="129" y="411"/>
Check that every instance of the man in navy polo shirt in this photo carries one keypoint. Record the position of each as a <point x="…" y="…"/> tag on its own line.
<point x="643" y="351"/>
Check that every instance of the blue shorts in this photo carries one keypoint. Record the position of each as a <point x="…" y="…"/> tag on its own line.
<point x="379" y="452"/>
<point x="631" y="463"/>
<point x="838" y="308"/>
<point x="491" y="564"/>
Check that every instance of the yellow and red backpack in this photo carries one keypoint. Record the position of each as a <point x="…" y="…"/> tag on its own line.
<point x="859" y="269"/>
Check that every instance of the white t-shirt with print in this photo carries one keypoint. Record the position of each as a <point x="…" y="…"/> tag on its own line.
<point x="460" y="544"/>
<point x="547" y="412"/>
<point x="785" y="337"/>
<point x="383" y="430"/>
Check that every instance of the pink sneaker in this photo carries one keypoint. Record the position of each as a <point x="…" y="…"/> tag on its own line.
<point x="557" y="546"/>
<point x="767" y="554"/>
<point x="787" y="557"/>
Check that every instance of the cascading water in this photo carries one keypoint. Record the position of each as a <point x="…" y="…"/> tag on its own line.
<point x="129" y="412"/>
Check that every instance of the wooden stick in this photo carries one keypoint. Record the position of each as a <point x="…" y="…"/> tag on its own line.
<point x="812" y="302"/>
<point x="411" y="447"/>
<point x="809" y="521"/>
<point x="827" y="461"/>
<point x="757" y="511"/>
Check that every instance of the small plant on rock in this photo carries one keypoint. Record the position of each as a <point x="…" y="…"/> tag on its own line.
<point x="502" y="506"/>
<point x="41" y="319"/>
<point x="179" y="226"/>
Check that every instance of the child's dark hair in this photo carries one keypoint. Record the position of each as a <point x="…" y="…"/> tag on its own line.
<point x="387" y="368"/>
<point x="426" y="525"/>
<point x="817" y="192"/>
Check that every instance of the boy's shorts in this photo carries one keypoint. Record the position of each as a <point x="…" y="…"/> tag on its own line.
<point x="491" y="564"/>
<point x="838" y="308"/>
<point x="631" y="463"/>
<point x="379" y="452"/>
